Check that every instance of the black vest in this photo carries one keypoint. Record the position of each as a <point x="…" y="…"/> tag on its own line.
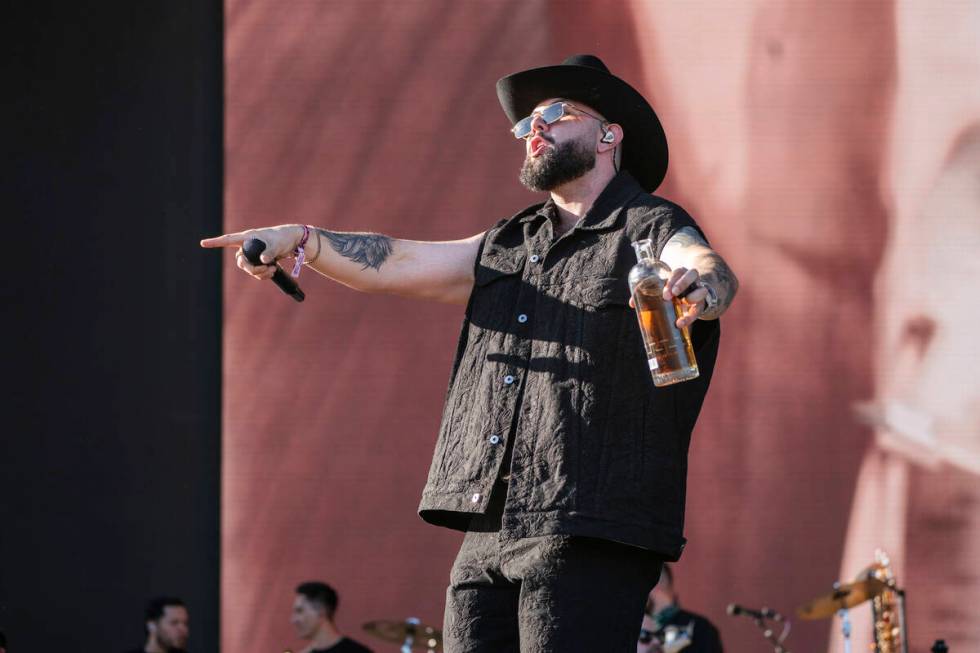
<point x="551" y="371"/>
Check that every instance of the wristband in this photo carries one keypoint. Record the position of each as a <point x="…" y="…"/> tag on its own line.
<point x="300" y="252"/>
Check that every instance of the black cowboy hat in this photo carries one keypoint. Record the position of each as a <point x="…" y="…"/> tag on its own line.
<point x="584" y="78"/>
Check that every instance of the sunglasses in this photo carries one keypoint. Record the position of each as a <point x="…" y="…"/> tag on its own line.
<point x="646" y="636"/>
<point x="550" y="115"/>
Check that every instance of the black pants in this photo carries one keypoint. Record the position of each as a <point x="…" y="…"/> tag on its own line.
<point x="549" y="594"/>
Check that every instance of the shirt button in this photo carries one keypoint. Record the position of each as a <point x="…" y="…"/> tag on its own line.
<point x="535" y="258"/>
<point x="508" y="379"/>
<point x="475" y="498"/>
<point x="494" y="439"/>
<point x="522" y="318"/>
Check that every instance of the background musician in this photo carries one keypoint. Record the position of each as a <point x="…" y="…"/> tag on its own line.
<point x="667" y="628"/>
<point x="314" y="610"/>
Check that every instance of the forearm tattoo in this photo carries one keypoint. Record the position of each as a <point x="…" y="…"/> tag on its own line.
<point x="714" y="271"/>
<point x="367" y="250"/>
<point x="686" y="237"/>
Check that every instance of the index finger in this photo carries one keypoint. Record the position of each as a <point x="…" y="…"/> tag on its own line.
<point x="227" y="240"/>
<point x="689" y="316"/>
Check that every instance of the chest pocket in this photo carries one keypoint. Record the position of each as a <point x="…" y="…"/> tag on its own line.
<point x="496" y="291"/>
<point x="606" y="293"/>
<point x="602" y="310"/>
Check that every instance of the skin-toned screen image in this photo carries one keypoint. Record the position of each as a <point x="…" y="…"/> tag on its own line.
<point x="462" y="199"/>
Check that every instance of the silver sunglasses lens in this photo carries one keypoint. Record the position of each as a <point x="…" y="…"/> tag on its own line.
<point x="552" y="112"/>
<point x="523" y="127"/>
<point x="549" y="114"/>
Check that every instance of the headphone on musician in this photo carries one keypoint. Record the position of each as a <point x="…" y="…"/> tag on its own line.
<point x="608" y="137"/>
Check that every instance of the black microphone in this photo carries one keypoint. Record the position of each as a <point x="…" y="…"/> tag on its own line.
<point x="252" y="249"/>
<point x="734" y="609"/>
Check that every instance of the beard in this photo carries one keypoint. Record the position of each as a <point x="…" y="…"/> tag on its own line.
<point x="557" y="165"/>
<point x="175" y="643"/>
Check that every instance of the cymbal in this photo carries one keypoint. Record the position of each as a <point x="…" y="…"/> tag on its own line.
<point x="423" y="636"/>
<point x="845" y="595"/>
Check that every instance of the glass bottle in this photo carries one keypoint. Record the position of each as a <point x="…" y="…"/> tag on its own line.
<point x="669" y="348"/>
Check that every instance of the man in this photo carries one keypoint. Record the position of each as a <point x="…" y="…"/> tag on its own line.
<point x="313" y="618"/>
<point x="668" y="628"/>
<point x="557" y="455"/>
<point x="166" y="626"/>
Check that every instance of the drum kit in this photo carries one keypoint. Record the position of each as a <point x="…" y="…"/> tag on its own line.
<point x="875" y="585"/>
<point x="410" y="634"/>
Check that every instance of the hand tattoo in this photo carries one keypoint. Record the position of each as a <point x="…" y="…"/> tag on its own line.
<point x="369" y="250"/>
<point x="725" y="284"/>
<point x="714" y="271"/>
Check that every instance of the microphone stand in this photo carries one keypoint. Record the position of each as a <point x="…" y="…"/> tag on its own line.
<point x="410" y="625"/>
<point x="777" y="643"/>
<point x="845" y="626"/>
<point x="759" y="618"/>
<point x="411" y="632"/>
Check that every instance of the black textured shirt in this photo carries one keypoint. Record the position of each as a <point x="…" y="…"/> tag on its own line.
<point x="551" y="376"/>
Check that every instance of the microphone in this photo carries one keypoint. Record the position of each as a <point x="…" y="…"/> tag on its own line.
<point x="252" y="249"/>
<point x="734" y="609"/>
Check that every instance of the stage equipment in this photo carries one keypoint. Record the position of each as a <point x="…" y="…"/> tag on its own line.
<point x="843" y="597"/>
<point x="876" y="584"/>
<point x="410" y="633"/>
<point x="760" y="617"/>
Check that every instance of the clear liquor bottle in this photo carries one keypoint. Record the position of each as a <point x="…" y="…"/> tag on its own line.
<point x="669" y="348"/>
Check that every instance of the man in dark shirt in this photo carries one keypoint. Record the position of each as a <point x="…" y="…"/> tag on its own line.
<point x="313" y="617"/>
<point x="563" y="463"/>
<point x="668" y="628"/>
<point x="167" y="626"/>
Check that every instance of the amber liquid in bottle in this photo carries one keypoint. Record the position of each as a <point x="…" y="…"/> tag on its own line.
<point x="669" y="349"/>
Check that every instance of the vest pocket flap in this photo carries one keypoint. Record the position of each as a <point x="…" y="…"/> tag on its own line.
<point x="493" y="267"/>
<point x="605" y="292"/>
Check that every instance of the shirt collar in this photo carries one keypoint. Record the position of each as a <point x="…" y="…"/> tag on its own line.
<point x="617" y="193"/>
<point x="544" y="211"/>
